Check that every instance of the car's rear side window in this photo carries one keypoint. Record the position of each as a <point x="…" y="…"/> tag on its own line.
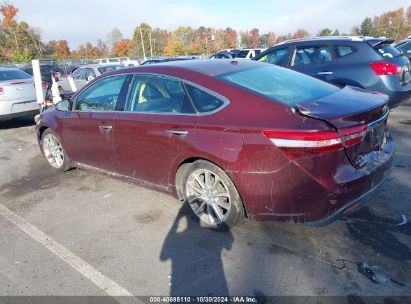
<point x="13" y="74"/>
<point x="203" y="101"/>
<point x="280" y="84"/>
<point x="344" y="50"/>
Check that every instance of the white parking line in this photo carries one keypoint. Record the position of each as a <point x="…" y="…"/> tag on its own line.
<point x="88" y="271"/>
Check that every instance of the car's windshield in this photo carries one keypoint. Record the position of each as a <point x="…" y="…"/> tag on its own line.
<point x="279" y="84"/>
<point x="13" y="74"/>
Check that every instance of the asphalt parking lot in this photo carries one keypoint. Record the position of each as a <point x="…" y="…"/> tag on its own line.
<point x="81" y="233"/>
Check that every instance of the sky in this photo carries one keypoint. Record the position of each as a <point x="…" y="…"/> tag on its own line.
<point x="81" y="21"/>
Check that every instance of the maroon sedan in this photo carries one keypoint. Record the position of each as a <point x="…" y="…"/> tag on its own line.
<point x="230" y="138"/>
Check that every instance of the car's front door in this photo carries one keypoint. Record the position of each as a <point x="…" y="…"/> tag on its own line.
<point x="155" y="129"/>
<point x="87" y="131"/>
<point x="316" y="61"/>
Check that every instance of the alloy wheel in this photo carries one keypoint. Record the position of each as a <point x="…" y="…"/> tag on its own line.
<point x="208" y="196"/>
<point x="53" y="151"/>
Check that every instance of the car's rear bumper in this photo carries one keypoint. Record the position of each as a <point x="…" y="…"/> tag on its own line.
<point x="17" y="108"/>
<point x="391" y="86"/>
<point x="352" y="206"/>
<point x="315" y="190"/>
<point x="10" y="116"/>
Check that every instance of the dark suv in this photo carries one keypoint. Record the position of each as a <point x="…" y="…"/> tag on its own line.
<point x="370" y="63"/>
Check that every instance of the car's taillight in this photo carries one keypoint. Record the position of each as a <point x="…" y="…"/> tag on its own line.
<point x="1" y="91"/>
<point x="17" y="82"/>
<point x="296" y="145"/>
<point x="353" y="135"/>
<point x="385" y="68"/>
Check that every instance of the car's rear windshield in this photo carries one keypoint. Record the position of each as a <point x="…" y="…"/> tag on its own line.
<point x="13" y="74"/>
<point x="387" y="50"/>
<point x="280" y="84"/>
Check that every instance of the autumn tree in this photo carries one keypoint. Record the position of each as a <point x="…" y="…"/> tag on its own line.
<point x="255" y="38"/>
<point x="140" y="43"/>
<point x="245" y="39"/>
<point x="392" y="24"/>
<point x="355" y="31"/>
<point x="300" y="33"/>
<point x="121" y="48"/>
<point x="101" y="49"/>
<point x="9" y="12"/>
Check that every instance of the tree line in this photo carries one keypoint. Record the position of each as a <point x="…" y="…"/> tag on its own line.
<point x="19" y="42"/>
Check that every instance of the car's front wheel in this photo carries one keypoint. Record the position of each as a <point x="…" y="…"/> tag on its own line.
<point x="212" y="196"/>
<point x="53" y="151"/>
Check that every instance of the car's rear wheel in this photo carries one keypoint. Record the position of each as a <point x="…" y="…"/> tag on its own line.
<point x="53" y="151"/>
<point x="212" y="196"/>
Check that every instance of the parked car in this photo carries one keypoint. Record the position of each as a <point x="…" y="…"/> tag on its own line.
<point x="129" y="61"/>
<point x="48" y="68"/>
<point x="224" y="55"/>
<point x="85" y="74"/>
<point x="105" y="61"/>
<point x="17" y="94"/>
<point x="230" y="138"/>
<point x="369" y="63"/>
<point x="236" y="53"/>
<point x="404" y="47"/>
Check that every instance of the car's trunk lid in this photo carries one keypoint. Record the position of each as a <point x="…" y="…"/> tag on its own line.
<point x="18" y="89"/>
<point x="353" y="109"/>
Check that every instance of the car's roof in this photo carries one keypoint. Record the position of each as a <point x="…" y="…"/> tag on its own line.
<point x="207" y="67"/>
<point x="336" y="38"/>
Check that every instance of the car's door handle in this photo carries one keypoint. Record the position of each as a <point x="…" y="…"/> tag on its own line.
<point x="177" y="132"/>
<point x="325" y="73"/>
<point x="105" y="128"/>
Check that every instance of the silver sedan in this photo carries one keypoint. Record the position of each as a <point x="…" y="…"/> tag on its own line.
<point x="17" y="94"/>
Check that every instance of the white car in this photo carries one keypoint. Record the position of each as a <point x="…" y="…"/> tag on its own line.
<point x="129" y="61"/>
<point x="17" y="94"/>
<point x="105" y="61"/>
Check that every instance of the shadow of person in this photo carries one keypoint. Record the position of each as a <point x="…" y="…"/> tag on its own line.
<point x="196" y="256"/>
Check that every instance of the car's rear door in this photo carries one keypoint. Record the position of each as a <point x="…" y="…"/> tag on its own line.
<point x="278" y="56"/>
<point x="156" y="128"/>
<point x="315" y="60"/>
<point x="88" y="129"/>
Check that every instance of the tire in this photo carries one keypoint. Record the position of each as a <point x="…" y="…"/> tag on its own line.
<point x="54" y="152"/>
<point x="212" y="196"/>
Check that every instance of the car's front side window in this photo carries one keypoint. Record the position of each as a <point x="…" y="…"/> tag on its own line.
<point x="277" y="57"/>
<point x="311" y="55"/>
<point x="102" y="95"/>
<point x="153" y="94"/>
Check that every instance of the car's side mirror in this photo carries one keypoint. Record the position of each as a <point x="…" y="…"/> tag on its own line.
<point x="64" y="105"/>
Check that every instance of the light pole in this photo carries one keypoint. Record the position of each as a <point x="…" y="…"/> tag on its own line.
<point x="142" y="44"/>
<point x="151" y="46"/>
